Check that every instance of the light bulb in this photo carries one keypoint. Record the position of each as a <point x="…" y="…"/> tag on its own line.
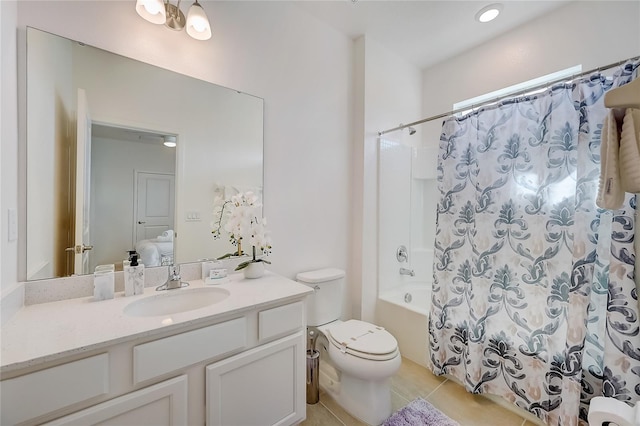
<point x="152" y="7"/>
<point x="198" y="25"/>
<point x="489" y="13"/>
<point x="170" y="141"/>
<point x="152" y="11"/>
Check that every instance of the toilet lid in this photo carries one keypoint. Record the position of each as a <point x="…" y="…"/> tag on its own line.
<point x="364" y="340"/>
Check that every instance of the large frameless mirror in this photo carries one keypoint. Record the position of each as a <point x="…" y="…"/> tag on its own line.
<point x="123" y="155"/>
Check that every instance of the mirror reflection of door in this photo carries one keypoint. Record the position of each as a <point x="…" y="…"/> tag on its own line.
<point x="154" y="201"/>
<point x="118" y="154"/>
<point x="82" y="240"/>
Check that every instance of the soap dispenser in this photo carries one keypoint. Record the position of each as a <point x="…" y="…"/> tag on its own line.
<point x="134" y="277"/>
<point x="127" y="261"/>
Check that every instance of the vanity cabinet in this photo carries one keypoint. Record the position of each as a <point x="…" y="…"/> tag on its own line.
<point x="39" y="392"/>
<point x="242" y="368"/>
<point x="264" y="385"/>
<point x="157" y="405"/>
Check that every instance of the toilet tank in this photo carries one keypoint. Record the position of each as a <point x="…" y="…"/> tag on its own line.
<point x="325" y="303"/>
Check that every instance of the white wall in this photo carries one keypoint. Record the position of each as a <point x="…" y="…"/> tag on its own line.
<point x="53" y="90"/>
<point x="300" y="66"/>
<point x="391" y="95"/>
<point x="394" y="212"/>
<point x="9" y="145"/>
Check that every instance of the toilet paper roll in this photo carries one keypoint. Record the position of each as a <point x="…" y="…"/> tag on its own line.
<point x="603" y="410"/>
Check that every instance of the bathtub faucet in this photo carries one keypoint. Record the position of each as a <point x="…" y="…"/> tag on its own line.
<point x="405" y="271"/>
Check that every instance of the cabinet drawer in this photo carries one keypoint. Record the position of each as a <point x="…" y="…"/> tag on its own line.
<point x="173" y="353"/>
<point x="161" y="404"/>
<point x="280" y="321"/>
<point x="38" y="393"/>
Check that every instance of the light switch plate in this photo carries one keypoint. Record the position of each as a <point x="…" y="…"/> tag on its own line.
<point x="192" y="216"/>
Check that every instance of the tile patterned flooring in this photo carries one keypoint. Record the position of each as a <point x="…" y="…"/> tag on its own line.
<point x="414" y="381"/>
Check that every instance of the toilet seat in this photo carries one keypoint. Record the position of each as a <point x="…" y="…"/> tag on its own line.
<point x="363" y="340"/>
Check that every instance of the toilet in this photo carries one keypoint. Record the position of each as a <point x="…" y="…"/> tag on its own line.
<point x="609" y="411"/>
<point x="357" y="359"/>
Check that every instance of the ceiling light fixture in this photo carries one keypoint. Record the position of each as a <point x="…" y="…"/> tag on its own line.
<point x="170" y="141"/>
<point x="489" y="13"/>
<point x="163" y="12"/>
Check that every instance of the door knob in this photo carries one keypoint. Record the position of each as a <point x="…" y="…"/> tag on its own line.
<point x="140" y="222"/>
<point x="79" y="249"/>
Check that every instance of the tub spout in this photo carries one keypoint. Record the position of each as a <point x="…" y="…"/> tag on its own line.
<point x="405" y="271"/>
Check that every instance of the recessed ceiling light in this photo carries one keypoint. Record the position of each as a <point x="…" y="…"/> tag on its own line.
<point x="489" y="13"/>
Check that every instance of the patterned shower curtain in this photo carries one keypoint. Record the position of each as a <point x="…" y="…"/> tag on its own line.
<point x="534" y="297"/>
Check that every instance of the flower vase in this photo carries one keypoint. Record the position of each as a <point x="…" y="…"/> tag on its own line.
<point x="232" y="262"/>
<point x="254" y="270"/>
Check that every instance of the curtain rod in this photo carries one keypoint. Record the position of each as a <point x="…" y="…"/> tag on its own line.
<point x="513" y="94"/>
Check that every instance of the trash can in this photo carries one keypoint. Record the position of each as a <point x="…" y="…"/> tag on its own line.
<point x="313" y="380"/>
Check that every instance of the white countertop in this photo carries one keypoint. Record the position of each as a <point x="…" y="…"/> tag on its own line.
<point x="46" y="332"/>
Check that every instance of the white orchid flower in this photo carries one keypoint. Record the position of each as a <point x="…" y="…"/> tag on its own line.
<point x="241" y="218"/>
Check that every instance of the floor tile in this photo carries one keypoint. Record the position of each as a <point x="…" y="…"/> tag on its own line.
<point x="338" y="411"/>
<point x="414" y="381"/>
<point x="468" y="409"/>
<point x="318" y="415"/>
<point x="397" y="401"/>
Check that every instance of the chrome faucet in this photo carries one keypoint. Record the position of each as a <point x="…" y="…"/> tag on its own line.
<point x="402" y="255"/>
<point x="405" y="271"/>
<point x="174" y="280"/>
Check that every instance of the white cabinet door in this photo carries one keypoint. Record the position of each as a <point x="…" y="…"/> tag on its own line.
<point x="262" y="386"/>
<point x="161" y="404"/>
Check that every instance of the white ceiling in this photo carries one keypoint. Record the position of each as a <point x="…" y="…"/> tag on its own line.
<point x="124" y="134"/>
<point x="424" y="32"/>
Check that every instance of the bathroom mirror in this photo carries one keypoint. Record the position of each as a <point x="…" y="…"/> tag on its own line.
<point x="99" y="178"/>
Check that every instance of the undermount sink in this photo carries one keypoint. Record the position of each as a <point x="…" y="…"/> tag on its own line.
<point x="176" y="301"/>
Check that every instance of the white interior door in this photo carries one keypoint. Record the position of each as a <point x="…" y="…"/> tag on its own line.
<point x="155" y="199"/>
<point x="83" y="174"/>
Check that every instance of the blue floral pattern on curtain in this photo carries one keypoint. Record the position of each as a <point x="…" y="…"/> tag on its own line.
<point x="534" y="296"/>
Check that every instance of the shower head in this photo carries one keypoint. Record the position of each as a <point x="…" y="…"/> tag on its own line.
<point x="411" y="130"/>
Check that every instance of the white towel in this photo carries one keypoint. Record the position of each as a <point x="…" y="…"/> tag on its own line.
<point x="630" y="151"/>
<point x="610" y="192"/>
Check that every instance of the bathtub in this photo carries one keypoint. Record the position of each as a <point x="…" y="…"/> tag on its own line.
<point x="416" y="297"/>
<point x="407" y="319"/>
<point x="403" y="311"/>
